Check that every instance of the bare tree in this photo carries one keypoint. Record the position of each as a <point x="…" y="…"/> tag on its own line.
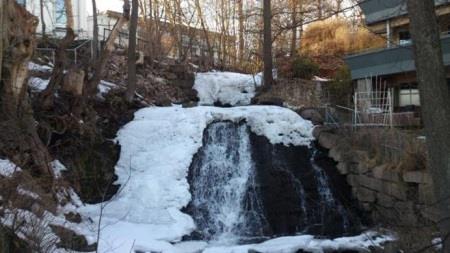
<point x="435" y="101"/>
<point x="131" y="88"/>
<point x="100" y="64"/>
<point x="268" y="65"/>
<point x="18" y="43"/>
<point x="69" y="14"/>
<point x="95" y="30"/>
<point x="241" y="18"/>
<point x="41" y="6"/>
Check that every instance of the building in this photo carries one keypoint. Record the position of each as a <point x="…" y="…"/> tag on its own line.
<point x="55" y="16"/>
<point x="385" y="81"/>
<point x="193" y="43"/>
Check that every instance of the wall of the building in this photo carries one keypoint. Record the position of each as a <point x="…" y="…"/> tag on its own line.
<point x="51" y="24"/>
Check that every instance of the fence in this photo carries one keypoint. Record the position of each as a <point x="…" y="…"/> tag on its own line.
<point x="79" y="54"/>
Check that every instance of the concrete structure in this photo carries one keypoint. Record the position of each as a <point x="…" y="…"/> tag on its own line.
<point x="55" y="16"/>
<point x="393" y="66"/>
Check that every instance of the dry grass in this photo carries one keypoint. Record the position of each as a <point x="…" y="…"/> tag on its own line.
<point x="398" y="148"/>
<point x="337" y="37"/>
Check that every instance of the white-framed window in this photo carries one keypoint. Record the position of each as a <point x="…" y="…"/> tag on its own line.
<point x="409" y="97"/>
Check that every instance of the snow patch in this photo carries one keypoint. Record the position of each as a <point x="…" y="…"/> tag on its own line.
<point x="226" y="88"/>
<point x="7" y="168"/>
<point x="104" y="87"/>
<point x="292" y="244"/>
<point x="38" y="67"/>
<point x="38" y="84"/>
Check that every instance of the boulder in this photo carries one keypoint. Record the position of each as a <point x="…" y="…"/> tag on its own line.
<point x="384" y="172"/>
<point x="313" y="115"/>
<point x="420" y="177"/>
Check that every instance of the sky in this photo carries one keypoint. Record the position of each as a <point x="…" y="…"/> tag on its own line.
<point x="103" y="5"/>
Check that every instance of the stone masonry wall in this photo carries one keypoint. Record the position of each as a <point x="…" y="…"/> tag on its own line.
<point x="392" y="198"/>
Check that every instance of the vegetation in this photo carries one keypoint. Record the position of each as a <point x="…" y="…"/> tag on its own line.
<point x="337" y="37"/>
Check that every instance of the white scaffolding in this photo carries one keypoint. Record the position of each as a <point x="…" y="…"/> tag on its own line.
<point x="373" y="106"/>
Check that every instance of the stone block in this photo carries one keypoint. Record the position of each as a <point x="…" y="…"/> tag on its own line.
<point x="385" y="200"/>
<point x="335" y="154"/>
<point x="364" y="194"/>
<point x="343" y="168"/>
<point x="370" y="182"/>
<point x="419" y="177"/>
<point x="352" y="180"/>
<point x="426" y="194"/>
<point x="430" y="213"/>
<point x="407" y="214"/>
<point x="327" y="140"/>
<point x="397" y="190"/>
<point x="385" y="173"/>
<point x="362" y="168"/>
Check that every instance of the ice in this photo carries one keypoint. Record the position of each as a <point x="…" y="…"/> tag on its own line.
<point x="227" y="88"/>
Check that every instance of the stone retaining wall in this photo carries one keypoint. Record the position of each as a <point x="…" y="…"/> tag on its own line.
<point x="391" y="197"/>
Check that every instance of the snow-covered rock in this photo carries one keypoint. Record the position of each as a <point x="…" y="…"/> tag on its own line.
<point x="226" y="88"/>
<point x="157" y="148"/>
<point x="7" y="168"/>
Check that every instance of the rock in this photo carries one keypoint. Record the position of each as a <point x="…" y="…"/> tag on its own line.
<point x="406" y="212"/>
<point x="72" y="241"/>
<point x="313" y="115"/>
<point x="362" y="168"/>
<point x="73" y="217"/>
<point x="327" y="140"/>
<point x="420" y="177"/>
<point x="385" y="173"/>
<point x="268" y="101"/>
<point x="74" y="82"/>
<point x="343" y="168"/>
<point x="364" y="194"/>
<point x="335" y="154"/>
<point x="385" y="200"/>
<point x="426" y="194"/>
<point x="430" y="213"/>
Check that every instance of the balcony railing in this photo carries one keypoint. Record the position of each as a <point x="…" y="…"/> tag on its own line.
<point x="386" y="61"/>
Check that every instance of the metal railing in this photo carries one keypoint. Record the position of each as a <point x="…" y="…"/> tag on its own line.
<point x="78" y="53"/>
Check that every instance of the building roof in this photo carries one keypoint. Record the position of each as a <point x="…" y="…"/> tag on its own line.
<point x="381" y="10"/>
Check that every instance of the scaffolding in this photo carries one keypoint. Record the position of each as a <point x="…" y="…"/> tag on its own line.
<point x="374" y="105"/>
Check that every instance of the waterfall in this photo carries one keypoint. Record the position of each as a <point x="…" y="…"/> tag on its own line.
<point x="326" y="195"/>
<point x="225" y="205"/>
<point x="245" y="189"/>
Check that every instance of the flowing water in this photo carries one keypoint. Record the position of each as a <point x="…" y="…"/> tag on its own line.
<point x="242" y="192"/>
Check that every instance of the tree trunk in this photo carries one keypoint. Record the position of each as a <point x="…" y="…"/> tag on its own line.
<point x="205" y="33"/>
<point x="241" y="30"/>
<point x="100" y="64"/>
<point x="69" y="14"/>
<point x="23" y="146"/>
<point x="41" y="5"/>
<point x="131" y="88"/>
<point x="435" y="102"/>
<point x="268" y="78"/>
<point x="294" y="27"/>
<point x="95" y="31"/>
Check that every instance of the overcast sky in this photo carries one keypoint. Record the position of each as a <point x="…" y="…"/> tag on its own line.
<point x="103" y="5"/>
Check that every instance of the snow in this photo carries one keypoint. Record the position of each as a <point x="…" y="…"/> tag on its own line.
<point x="37" y="67"/>
<point x="57" y="168"/>
<point x="157" y="148"/>
<point x="226" y="88"/>
<point x="7" y="168"/>
<point x="292" y="244"/>
<point x="104" y="87"/>
<point x="38" y="84"/>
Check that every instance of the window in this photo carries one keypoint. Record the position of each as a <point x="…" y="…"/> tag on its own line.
<point x="22" y="2"/>
<point x="404" y="37"/>
<point x="60" y="14"/>
<point x="409" y="97"/>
